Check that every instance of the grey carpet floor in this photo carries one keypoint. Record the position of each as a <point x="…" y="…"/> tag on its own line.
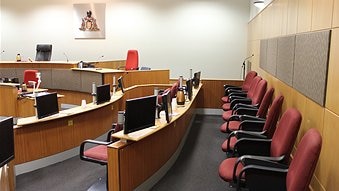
<point x="195" y="169"/>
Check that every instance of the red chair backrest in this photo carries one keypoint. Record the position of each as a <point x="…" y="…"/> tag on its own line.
<point x="301" y="169"/>
<point x="253" y="86"/>
<point x="265" y="103"/>
<point x="30" y="75"/>
<point x="259" y="92"/>
<point x="248" y="80"/>
<point x="284" y="136"/>
<point x="273" y="116"/>
<point x="174" y="89"/>
<point x="132" y="60"/>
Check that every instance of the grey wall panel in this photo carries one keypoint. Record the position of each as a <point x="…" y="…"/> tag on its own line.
<point x="271" y="62"/>
<point x="285" y="59"/>
<point x="311" y="65"/>
<point x="66" y="79"/>
<point x="87" y="78"/>
<point x="20" y="74"/>
<point x="7" y="73"/>
<point x="46" y="77"/>
<point x="263" y="54"/>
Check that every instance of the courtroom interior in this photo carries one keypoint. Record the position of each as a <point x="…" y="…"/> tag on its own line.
<point x="169" y="95"/>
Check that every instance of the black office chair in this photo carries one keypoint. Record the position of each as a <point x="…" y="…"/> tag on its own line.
<point x="43" y="52"/>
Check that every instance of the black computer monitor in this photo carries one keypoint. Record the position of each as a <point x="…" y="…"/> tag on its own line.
<point x="6" y="141"/>
<point x="196" y="79"/>
<point x="103" y="93"/>
<point x="167" y="105"/>
<point x="140" y="113"/>
<point x="47" y="104"/>
<point x="189" y="87"/>
<point x="120" y="84"/>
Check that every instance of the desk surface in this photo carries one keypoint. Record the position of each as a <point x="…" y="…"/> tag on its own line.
<point x="65" y="113"/>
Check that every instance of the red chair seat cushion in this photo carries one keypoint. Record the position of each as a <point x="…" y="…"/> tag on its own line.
<point x="98" y="152"/>
<point x="232" y="140"/>
<point x="226" y="169"/>
<point x="226" y="106"/>
<point x="226" y="115"/>
<point x="224" y="99"/>
<point x="233" y="126"/>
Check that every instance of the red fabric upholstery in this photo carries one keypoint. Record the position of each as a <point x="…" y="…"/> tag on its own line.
<point x="259" y="92"/>
<point x="226" y="169"/>
<point x="226" y="115"/>
<point x="304" y="162"/>
<point x="273" y="116"/>
<point x="232" y="140"/>
<point x="174" y="89"/>
<point x="30" y="75"/>
<point x="132" y="60"/>
<point x="233" y="126"/>
<point x="286" y="133"/>
<point x="98" y="152"/>
<point x="265" y="103"/>
<point x="248" y="80"/>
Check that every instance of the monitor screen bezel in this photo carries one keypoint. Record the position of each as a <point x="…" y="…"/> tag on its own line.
<point x="103" y="93"/>
<point x="53" y="104"/>
<point x="189" y="89"/>
<point x="129" y="109"/>
<point x="120" y="84"/>
<point x="196" y="80"/>
<point x="167" y="103"/>
<point x="7" y="139"/>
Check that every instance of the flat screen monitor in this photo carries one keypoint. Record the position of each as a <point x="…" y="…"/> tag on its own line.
<point x="103" y="93"/>
<point x="120" y="84"/>
<point x="189" y="85"/>
<point x="167" y="105"/>
<point x="196" y="79"/>
<point x="140" y="113"/>
<point x="46" y="105"/>
<point x="6" y="141"/>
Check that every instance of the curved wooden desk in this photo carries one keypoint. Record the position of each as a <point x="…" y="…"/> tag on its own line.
<point x="133" y="162"/>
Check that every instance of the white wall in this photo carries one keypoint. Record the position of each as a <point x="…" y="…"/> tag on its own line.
<point x="206" y="35"/>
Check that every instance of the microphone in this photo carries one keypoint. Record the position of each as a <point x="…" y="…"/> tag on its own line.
<point x="243" y="64"/>
<point x="66" y="56"/>
<point x="100" y="57"/>
<point x="2" y="52"/>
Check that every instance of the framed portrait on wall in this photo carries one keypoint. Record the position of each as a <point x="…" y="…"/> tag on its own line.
<point x="89" y="20"/>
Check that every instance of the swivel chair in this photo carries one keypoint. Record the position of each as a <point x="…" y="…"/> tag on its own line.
<point x="132" y="60"/>
<point x="43" y="52"/>
<point x="30" y="75"/>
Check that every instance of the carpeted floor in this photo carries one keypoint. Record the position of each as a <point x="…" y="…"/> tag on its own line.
<point x="195" y="169"/>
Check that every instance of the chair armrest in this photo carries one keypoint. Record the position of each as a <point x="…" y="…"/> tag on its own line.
<point x="238" y="94"/>
<point x="240" y="100"/>
<point x="253" y="118"/>
<point x="249" y="134"/>
<point x="88" y="141"/>
<point x="263" y="178"/>
<point x="274" y="162"/>
<point x="253" y="146"/>
<point x="245" y="111"/>
<point x="252" y="125"/>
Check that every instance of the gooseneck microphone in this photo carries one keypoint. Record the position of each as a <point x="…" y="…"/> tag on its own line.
<point x="100" y="57"/>
<point x="243" y="65"/>
<point x="66" y="56"/>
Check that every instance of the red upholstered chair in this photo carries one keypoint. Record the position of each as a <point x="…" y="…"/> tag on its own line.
<point x="254" y="128"/>
<point x="255" y="100"/>
<point x="242" y="111"/>
<point x="30" y="75"/>
<point x="268" y="175"/>
<point x="249" y="93"/>
<point x="132" y="60"/>
<point x="174" y="89"/>
<point x="277" y="149"/>
<point x="245" y="86"/>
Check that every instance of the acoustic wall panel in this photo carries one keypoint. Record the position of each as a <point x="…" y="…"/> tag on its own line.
<point x="271" y="62"/>
<point x="46" y="77"/>
<point x="285" y="59"/>
<point x="263" y="54"/>
<point x="311" y="63"/>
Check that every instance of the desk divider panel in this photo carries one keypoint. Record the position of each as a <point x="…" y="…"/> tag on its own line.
<point x="7" y="73"/>
<point x="87" y="78"/>
<point x="66" y="79"/>
<point x="285" y="59"/>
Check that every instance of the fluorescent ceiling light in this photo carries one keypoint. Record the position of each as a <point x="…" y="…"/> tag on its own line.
<point x="259" y="4"/>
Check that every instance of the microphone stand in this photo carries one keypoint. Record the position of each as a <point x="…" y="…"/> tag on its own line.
<point x="244" y="64"/>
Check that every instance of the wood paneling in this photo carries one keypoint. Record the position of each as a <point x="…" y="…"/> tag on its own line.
<point x="335" y="21"/>
<point x="322" y="14"/>
<point x="304" y="16"/>
<point x="8" y="100"/>
<point x="292" y="16"/>
<point x="332" y="98"/>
